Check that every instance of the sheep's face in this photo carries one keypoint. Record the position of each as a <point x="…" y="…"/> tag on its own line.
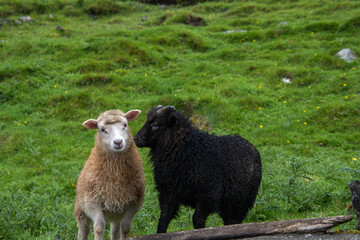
<point x="114" y="136"/>
<point x="157" y="121"/>
<point x="113" y="129"/>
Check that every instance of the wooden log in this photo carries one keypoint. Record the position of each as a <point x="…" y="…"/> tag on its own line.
<point x="309" y="225"/>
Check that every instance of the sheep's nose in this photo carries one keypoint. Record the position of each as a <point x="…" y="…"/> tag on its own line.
<point x="118" y="141"/>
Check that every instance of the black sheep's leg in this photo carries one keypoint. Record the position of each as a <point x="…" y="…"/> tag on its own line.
<point x="200" y="216"/>
<point x="168" y="212"/>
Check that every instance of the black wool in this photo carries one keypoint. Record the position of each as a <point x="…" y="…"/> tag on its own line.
<point x="210" y="173"/>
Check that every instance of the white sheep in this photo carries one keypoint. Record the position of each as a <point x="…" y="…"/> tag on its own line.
<point x="111" y="184"/>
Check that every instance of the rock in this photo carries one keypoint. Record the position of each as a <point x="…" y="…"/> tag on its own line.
<point x="52" y="16"/>
<point x="59" y="28"/>
<point x="3" y="21"/>
<point x="144" y="18"/>
<point x="162" y="6"/>
<point x="286" y="80"/>
<point x="237" y="30"/>
<point x="347" y="55"/>
<point x="17" y="22"/>
<point x="283" y="23"/>
<point x="26" y="19"/>
<point x="7" y="21"/>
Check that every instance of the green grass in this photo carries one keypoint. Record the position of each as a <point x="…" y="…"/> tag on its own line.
<point x="51" y="81"/>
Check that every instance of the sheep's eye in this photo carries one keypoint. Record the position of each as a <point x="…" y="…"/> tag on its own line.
<point x="103" y="130"/>
<point x="125" y="125"/>
<point x="155" y="124"/>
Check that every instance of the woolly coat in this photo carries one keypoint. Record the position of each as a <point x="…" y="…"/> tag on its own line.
<point x="116" y="181"/>
<point x="219" y="173"/>
<point x="222" y="171"/>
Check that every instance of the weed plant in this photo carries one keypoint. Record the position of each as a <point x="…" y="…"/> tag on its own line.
<point x="227" y="73"/>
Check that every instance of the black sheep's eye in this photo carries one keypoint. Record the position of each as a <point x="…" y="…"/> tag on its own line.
<point x="155" y="125"/>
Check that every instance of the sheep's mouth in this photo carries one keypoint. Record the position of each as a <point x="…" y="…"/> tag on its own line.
<point x="139" y="143"/>
<point x="118" y="148"/>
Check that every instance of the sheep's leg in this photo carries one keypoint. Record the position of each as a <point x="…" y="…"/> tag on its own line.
<point x="99" y="226"/>
<point x="200" y="215"/>
<point x="95" y="213"/>
<point x="115" y="230"/>
<point x="84" y="228"/>
<point x="168" y="212"/>
<point x="125" y="224"/>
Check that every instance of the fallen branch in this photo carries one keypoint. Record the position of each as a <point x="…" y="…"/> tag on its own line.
<point x="309" y="225"/>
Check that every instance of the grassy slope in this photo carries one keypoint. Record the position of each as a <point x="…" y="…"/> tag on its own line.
<point x="51" y="81"/>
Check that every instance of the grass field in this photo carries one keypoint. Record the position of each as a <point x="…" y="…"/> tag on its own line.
<point x="227" y="73"/>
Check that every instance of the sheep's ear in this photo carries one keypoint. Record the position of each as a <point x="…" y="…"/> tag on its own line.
<point x="91" y="124"/>
<point x="132" y="114"/>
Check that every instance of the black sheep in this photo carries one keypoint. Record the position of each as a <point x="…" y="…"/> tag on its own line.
<point x="210" y="173"/>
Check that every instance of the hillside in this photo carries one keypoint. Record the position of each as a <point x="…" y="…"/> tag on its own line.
<point x="222" y="62"/>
